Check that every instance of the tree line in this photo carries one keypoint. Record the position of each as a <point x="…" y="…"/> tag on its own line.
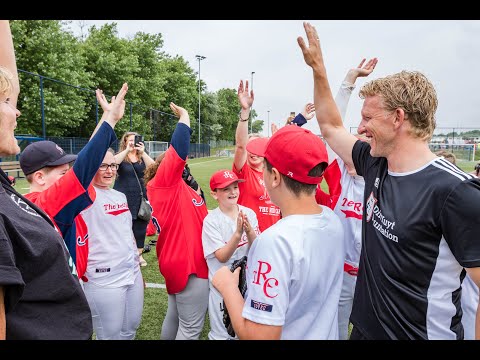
<point x="101" y="59"/>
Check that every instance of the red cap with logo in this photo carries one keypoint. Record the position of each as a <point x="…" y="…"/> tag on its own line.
<point x="293" y="151"/>
<point x="222" y="178"/>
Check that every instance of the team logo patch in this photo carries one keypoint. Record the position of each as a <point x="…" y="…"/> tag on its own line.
<point x="227" y="174"/>
<point x="82" y="242"/>
<point x="369" y="206"/>
<point x="60" y="150"/>
<point x="196" y="203"/>
<point x="23" y="205"/>
<point x="257" y="305"/>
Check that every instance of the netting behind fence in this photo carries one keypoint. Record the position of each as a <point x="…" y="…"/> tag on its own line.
<point x="463" y="152"/>
<point x="155" y="148"/>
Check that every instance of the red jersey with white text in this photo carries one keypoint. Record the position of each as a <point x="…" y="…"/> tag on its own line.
<point x="178" y="213"/>
<point x="253" y="195"/>
<point x="68" y="196"/>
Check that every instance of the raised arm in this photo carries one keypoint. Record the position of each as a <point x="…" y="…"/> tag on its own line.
<point x="7" y="59"/>
<point x="241" y="134"/>
<point x="145" y="157"/>
<point x="348" y="84"/>
<point x="328" y="116"/>
<point x="181" y="135"/>
<point x="345" y="92"/>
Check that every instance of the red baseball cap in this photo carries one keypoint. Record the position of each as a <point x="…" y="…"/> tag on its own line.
<point x="257" y="145"/>
<point x="293" y="151"/>
<point x="222" y="178"/>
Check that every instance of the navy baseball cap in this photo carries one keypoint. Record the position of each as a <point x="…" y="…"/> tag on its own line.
<point x="44" y="153"/>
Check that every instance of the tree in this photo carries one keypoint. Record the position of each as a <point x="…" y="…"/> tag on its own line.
<point x="257" y="126"/>
<point x="43" y="47"/>
<point x="228" y="108"/>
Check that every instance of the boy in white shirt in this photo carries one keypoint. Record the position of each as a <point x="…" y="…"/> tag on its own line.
<point x="295" y="268"/>
<point x="227" y="234"/>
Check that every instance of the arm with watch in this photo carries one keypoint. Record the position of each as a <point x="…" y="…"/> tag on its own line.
<point x="241" y="135"/>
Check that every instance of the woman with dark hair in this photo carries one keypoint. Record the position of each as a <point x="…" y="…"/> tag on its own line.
<point x="133" y="160"/>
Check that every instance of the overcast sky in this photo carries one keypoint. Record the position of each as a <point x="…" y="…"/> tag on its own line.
<point x="448" y="52"/>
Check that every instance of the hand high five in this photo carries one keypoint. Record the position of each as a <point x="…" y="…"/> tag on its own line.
<point x="312" y="54"/>
<point x="245" y="99"/>
<point x="116" y="108"/>
<point x="181" y="113"/>
<point x="308" y="111"/>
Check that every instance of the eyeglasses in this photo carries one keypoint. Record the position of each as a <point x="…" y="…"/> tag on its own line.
<point x="112" y="166"/>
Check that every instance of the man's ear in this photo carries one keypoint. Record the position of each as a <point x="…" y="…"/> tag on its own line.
<point x="399" y="118"/>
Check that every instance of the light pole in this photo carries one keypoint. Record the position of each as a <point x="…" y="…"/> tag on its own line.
<point x="251" y="88"/>
<point x="200" y="58"/>
<point x="268" y="122"/>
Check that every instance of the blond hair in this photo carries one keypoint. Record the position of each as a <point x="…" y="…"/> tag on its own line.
<point x="449" y="156"/>
<point x="123" y="146"/>
<point x="412" y="92"/>
<point x="6" y="81"/>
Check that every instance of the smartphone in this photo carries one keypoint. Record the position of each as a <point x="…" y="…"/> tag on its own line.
<point x="138" y="139"/>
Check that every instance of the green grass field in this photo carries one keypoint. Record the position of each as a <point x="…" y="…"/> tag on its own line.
<point x="155" y="304"/>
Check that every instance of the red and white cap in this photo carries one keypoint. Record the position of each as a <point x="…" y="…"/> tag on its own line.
<point x="222" y="178"/>
<point x="293" y="151"/>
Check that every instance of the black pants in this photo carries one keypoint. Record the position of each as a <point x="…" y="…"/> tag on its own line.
<point x="139" y="228"/>
<point x="357" y="335"/>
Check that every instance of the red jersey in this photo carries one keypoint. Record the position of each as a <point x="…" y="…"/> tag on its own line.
<point x="253" y="195"/>
<point x="59" y="203"/>
<point x="178" y="213"/>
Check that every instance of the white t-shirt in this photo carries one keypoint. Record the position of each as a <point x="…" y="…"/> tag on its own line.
<point x="112" y="253"/>
<point x="217" y="230"/>
<point x="295" y="274"/>
<point x="349" y="208"/>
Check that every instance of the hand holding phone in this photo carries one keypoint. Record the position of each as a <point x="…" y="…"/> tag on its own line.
<point x="138" y="139"/>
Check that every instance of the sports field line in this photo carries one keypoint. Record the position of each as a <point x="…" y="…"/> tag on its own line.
<point x="157" y="286"/>
<point x="204" y="162"/>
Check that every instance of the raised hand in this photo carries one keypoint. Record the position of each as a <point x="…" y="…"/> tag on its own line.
<point x="117" y="106"/>
<point x="308" y="111"/>
<point x="312" y="54"/>
<point x="273" y="128"/>
<point x="140" y="147"/>
<point x="245" y="99"/>
<point x="181" y="113"/>
<point x="102" y="100"/>
<point x="362" y="70"/>
<point x="367" y="69"/>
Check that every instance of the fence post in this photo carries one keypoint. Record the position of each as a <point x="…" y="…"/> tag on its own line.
<point x="42" y="107"/>
<point x="131" y="106"/>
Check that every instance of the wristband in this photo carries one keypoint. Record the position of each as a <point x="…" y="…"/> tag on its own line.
<point x="240" y="118"/>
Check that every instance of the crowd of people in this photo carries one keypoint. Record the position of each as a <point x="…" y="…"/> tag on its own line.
<point x="390" y="249"/>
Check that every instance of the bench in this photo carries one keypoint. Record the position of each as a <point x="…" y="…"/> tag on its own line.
<point x="11" y="166"/>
